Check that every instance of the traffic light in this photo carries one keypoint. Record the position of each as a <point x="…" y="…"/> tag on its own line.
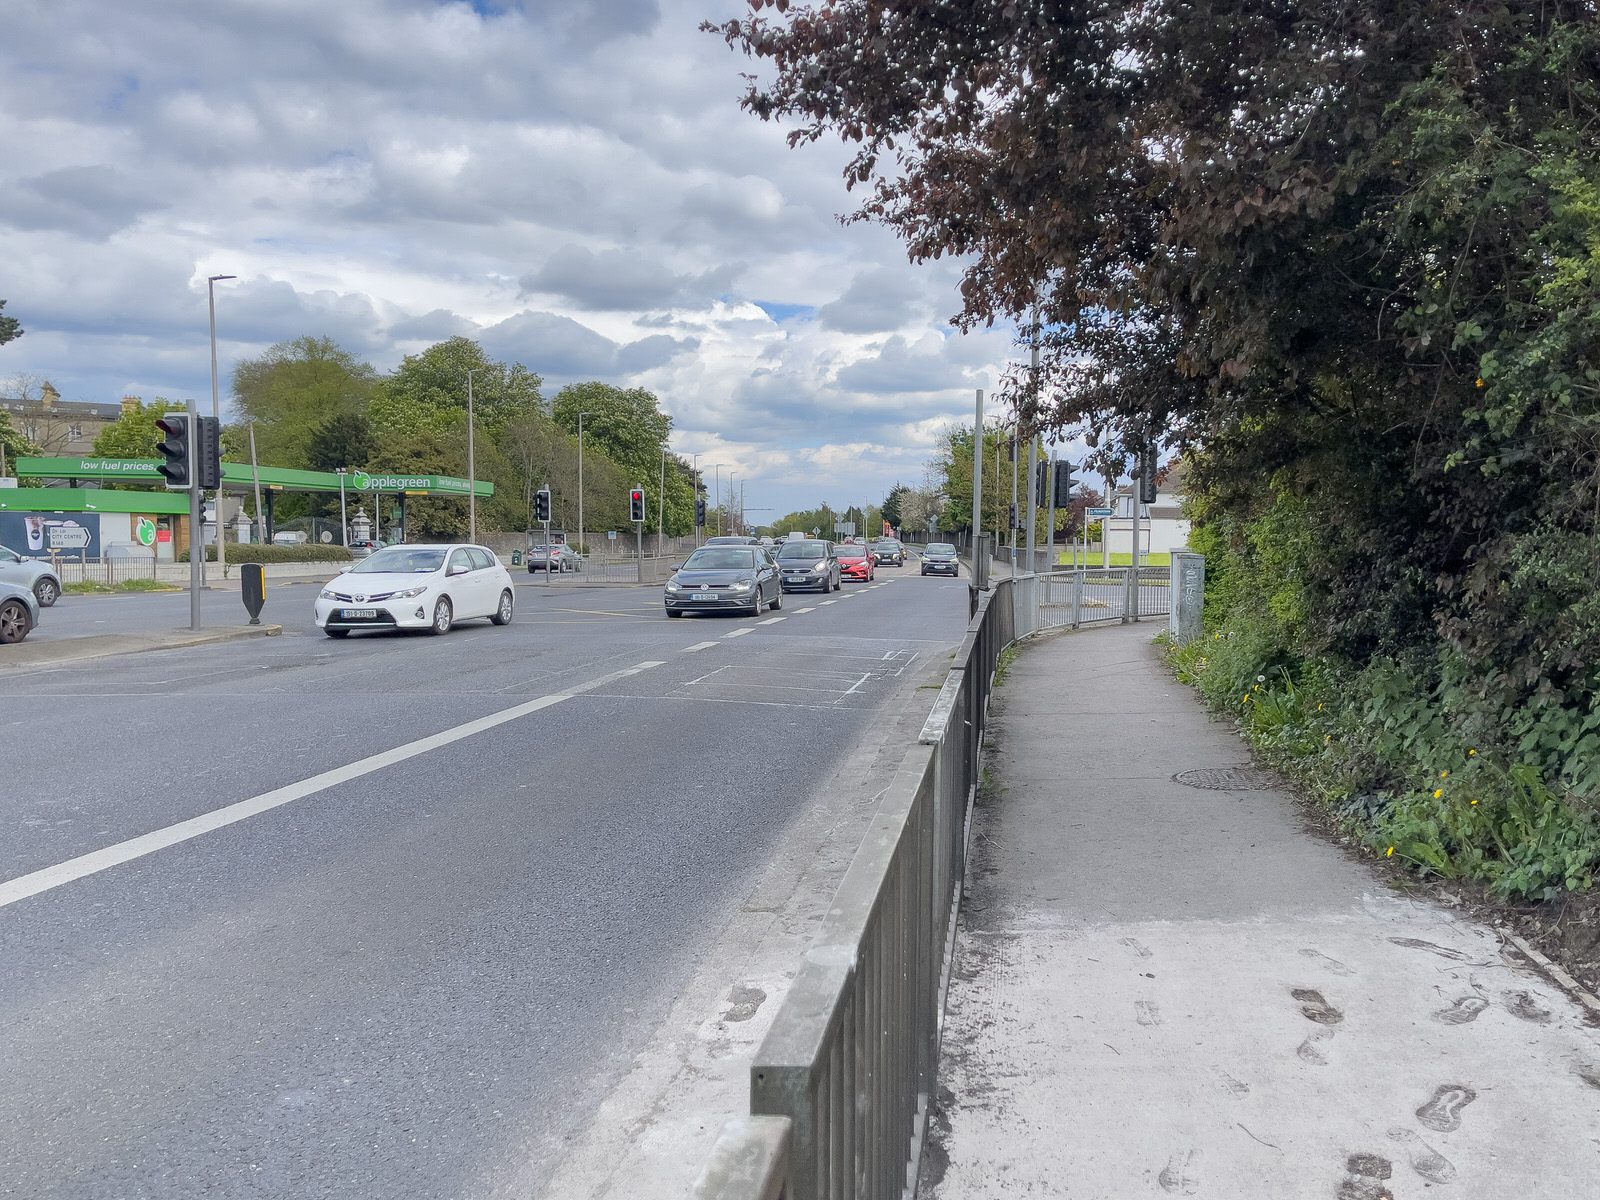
<point x="1014" y="524"/>
<point x="636" y="504"/>
<point x="1063" y="496"/>
<point x="700" y="512"/>
<point x="1147" y="474"/>
<point x="1041" y="484"/>
<point x="541" y="506"/>
<point x="175" y="450"/>
<point x="207" y="452"/>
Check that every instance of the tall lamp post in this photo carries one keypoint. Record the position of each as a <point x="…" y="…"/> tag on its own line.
<point x="472" y="467"/>
<point x="580" y="545"/>
<point x="661" y="505"/>
<point x="716" y="479"/>
<point x="344" y="524"/>
<point x="216" y="411"/>
<point x="732" y="492"/>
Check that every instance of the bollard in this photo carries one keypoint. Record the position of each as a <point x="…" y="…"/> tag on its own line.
<point x="253" y="587"/>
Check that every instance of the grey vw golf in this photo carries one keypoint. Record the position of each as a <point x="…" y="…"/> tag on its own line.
<point x="738" y="579"/>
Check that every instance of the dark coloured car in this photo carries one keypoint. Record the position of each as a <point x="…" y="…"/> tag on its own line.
<point x="733" y="539"/>
<point x="890" y="552"/>
<point x="739" y="579"/>
<point x="809" y="566"/>
<point x="939" y="558"/>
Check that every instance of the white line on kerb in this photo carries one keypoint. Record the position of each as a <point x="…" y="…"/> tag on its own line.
<point x="96" y="861"/>
<point x="697" y="646"/>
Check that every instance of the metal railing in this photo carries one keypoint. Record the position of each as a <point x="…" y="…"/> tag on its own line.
<point x="1072" y="599"/>
<point x="846" y="1072"/>
<point x="109" y="570"/>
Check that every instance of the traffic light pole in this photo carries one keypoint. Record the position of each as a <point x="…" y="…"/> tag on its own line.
<point x="638" y="546"/>
<point x="197" y="548"/>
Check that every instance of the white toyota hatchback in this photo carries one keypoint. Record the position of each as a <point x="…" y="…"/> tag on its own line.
<point x="417" y="587"/>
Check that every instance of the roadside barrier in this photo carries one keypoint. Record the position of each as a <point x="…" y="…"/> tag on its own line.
<point x="841" y="1085"/>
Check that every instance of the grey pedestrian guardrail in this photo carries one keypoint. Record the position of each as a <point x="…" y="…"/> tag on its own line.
<point x="850" y="1059"/>
<point x="1087" y="596"/>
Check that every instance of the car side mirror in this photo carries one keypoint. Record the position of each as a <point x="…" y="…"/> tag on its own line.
<point x="456" y="570"/>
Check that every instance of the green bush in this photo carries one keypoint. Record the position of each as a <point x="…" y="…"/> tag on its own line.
<point x="308" y="553"/>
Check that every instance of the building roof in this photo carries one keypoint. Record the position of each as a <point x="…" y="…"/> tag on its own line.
<point x="63" y="408"/>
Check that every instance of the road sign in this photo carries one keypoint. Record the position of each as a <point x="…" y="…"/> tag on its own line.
<point x="67" y="537"/>
<point x="1099" y="512"/>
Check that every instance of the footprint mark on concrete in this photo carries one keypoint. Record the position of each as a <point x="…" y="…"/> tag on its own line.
<point x="1135" y="945"/>
<point x="1237" y="1088"/>
<point x="1364" y="1178"/>
<point x="1315" y="1008"/>
<point x="1430" y="947"/>
<point x="1442" y="1112"/>
<point x="1146" y="1012"/>
<point x="1424" y="1159"/>
<point x="1181" y="1175"/>
<point x="1590" y="1075"/>
<point x="1332" y="964"/>
<point x="1311" y="1050"/>
<point x="1463" y="1010"/>
<point x="1522" y="1004"/>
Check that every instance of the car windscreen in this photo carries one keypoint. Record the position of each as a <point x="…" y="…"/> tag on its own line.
<point x="852" y="551"/>
<point x="401" y="560"/>
<point x="721" y="558"/>
<point x="941" y="548"/>
<point x="806" y="550"/>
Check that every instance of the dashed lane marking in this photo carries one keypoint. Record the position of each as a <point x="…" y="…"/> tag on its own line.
<point x="697" y="646"/>
<point x="772" y="620"/>
<point x="736" y="633"/>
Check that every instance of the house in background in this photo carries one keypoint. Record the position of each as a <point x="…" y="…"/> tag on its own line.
<point x="1162" y="528"/>
<point x="61" y="428"/>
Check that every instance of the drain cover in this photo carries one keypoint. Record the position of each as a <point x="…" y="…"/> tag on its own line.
<point x="1227" y="779"/>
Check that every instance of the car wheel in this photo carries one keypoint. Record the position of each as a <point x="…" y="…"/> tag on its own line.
<point x="838" y="584"/>
<point x="777" y="602"/>
<point x="47" y="591"/>
<point x="443" y="617"/>
<point x="502" y="615"/>
<point x="14" y="622"/>
<point x="337" y="633"/>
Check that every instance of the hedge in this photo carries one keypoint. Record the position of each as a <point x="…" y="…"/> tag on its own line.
<point x="251" y="553"/>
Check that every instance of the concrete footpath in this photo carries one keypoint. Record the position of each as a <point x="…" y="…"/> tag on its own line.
<point x="1167" y="984"/>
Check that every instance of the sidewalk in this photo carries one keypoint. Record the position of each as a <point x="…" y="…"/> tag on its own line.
<point x="1168" y="989"/>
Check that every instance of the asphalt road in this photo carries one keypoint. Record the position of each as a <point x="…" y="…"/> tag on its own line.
<point x="415" y="977"/>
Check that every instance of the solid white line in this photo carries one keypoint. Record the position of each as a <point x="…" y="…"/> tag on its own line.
<point x="96" y="861"/>
<point x="697" y="646"/>
<point x="857" y="684"/>
<point x="772" y="620"/>
<point x="736" y="633"/>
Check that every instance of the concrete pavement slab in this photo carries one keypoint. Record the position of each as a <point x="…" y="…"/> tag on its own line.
<point x="1164" y="989"/>
<point x="103" y="645"/>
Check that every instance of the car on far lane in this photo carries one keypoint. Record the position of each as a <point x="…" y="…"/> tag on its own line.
<point x="363" y="549"/>
<point x="30" y="573"/>
<point x="808" y="564"/>
<point x="890" y="552"/>
<point x="857" y="562"/>
<point x="939" y="558"/>
<point x="558" y="557"/>
<point x="428" y="587"/>
<point x="19" y="613"/>
<point x="724" y="579"/>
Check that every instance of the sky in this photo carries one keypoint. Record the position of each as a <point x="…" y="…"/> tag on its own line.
<point x="572" y="184"/>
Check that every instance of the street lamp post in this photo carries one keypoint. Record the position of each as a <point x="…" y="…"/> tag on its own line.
<point x="732" y="492"/>
<point x="216" y="411"/>
<point x="695" y="500"/>
<point x="716" y="479"/>
<point x="472" y="468"/>
<point x="580" y="546"/>
<point x="661" y="505"/>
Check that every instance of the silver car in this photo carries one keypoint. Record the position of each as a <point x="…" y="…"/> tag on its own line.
<point x="36" y="576"/>
<point x="19" y="613"/>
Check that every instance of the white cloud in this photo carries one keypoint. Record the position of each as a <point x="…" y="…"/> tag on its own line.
<point x="574" y="185"/>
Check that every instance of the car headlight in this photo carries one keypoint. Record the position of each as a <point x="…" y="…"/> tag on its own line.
<point x="674" y="588"/>
<point x="409" y="593"/>
<point x="326" y="595"/>
<point x="744" y="585"/>
<point x="821" y="566"/>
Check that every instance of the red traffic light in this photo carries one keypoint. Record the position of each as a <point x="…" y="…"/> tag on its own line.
<point x="636" y="504"/>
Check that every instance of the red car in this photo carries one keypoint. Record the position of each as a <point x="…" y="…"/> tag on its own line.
<point x="856" y="562"/>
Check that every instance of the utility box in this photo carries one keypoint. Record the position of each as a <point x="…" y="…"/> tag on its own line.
<point x="1187" y="596"/>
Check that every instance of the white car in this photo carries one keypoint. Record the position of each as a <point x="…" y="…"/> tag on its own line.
<point x="36" y="576"/>
<point x="417" y="587"/>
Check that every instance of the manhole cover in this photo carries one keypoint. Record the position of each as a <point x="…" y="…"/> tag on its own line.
<point x="1227" y="779"/>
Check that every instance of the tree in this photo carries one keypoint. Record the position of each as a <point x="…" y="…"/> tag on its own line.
<point x="627" y="426"/>
<point x="133" y="434"/>
<point x="12" y="441"/>
<point x="427" y="388"/>
<point x="294" y="389"/>
<point x="892" y="504"/>
<point x="343" y="440"/>
<point x="10" y="328"/>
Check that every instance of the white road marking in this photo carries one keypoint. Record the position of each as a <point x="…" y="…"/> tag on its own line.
<point x="103" y="859"/>
<point x="706" y="676"/>
<point x="857" y="684"/>
<point x="736" y="633"/>
<point x="772" y="620"/>
<point x="825" y="603"/>
<point x="798" y="611"/>
<point x="697" y="646"/>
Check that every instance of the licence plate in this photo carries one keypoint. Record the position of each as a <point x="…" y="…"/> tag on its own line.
<point x="358" y="614"/>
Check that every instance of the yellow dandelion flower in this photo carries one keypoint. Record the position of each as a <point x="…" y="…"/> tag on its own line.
<point x="1474" y="802"/>
<point x="1389" y="853"/>
<point x="1444" y="774"/>
<point x="1437" y="792"/>
<point x="1472" y="754"/>
<point x="1478" y="382"/>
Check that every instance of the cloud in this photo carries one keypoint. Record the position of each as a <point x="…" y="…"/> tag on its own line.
<point x="620" y="280"/>
<point x="878" y="300"/>
<point x="93" y="202"/>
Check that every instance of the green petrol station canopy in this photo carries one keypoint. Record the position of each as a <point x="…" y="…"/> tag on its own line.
<point x="241" y="476"/>
<point x="88" y="500"/>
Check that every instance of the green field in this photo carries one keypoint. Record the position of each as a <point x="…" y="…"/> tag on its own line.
<point x="1118" y="559"/>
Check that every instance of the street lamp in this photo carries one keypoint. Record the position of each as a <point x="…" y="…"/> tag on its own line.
<point x="716" y="479"/>
<point x="344" y="526"/>
<point x="581" y="543"/>
<point x="216" y="412"/>
<point x="732" y="492"/>
<point x="695" y="467"/>
<point x="661" y="504"/>
<point x="472" y="468"/>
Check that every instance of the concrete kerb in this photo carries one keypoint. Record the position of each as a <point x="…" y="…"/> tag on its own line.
<point x="105" y="645"/>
